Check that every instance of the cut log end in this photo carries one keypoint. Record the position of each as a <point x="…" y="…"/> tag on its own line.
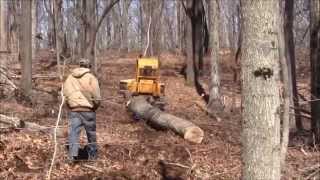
<point x="194" y="134"/>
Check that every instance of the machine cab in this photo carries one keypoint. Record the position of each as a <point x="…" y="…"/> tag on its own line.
<point x="148" y="68"/>
<point x="147" y="80"/>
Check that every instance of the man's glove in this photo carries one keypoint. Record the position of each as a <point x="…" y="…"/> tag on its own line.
<point x="96" y="104"/>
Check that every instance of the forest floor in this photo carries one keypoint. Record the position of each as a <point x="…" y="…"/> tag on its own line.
<point x="130" y="149"/>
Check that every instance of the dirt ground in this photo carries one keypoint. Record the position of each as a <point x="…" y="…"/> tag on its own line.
<point x="130" y="149"/>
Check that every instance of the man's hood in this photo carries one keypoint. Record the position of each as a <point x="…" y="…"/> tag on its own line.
<point x="79" y="72"/>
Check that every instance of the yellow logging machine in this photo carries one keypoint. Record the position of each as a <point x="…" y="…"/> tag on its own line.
<point x="147" y="82"/>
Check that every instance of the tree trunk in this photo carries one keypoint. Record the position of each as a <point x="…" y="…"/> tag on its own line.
<point x="26" y="47"/>
<point x="125" y="25"/>
<point x="315" y="68"/>
<point x="3" y="27"/>
<point x="159" y="119"/>
<point x="34" y="25"/>
<point x="178" y="30"/>
<point x="290" y="56"/>
<point x="57" y="7"/>
<point x="13" y="27"/>
<point x="260" y="90"/>
<point x="286" y="91"/>
<point x="215" y="103"/>
<point x="92" y="28"/>
<point x="190" y="74"/>
<point x="90" y="24"/>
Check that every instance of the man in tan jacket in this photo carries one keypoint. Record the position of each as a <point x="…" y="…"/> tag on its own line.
<point x="82" y="93"/>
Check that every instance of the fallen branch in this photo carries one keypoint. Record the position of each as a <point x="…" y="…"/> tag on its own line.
<point x="92" y="168"/>
<point x="311" y="168"/>
<point x="6" y="79"/>
<point x="176" y="164"/>
<point x="14" y="122"/>
<point x="314" y="174"/>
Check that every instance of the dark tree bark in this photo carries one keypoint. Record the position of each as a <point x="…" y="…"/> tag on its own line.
<point x="290" y="56"/>
<point x="315" y="68"/>
<point x="285" y="116"/>
<point x="3" y="28"/>
<point x="199" y="33"/>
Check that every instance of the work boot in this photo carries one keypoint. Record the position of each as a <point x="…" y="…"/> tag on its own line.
<point x="72" y="159"/>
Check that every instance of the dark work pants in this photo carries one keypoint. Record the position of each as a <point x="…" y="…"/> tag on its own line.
<point x="88" y="121"/>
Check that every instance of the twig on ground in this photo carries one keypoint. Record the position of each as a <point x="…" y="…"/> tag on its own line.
<point x="92" y="168"/>
<point x="226" y="172"/>
<point x="312" y="175"/>
<point x="304" y="152"/>
<point x="311" y="168"/>
<point x="176" y="164"/>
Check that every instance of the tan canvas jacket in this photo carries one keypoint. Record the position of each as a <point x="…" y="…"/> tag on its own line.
<point x="81" y="89"/>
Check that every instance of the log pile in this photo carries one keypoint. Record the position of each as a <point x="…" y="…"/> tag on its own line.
<point x="159" y="119"/>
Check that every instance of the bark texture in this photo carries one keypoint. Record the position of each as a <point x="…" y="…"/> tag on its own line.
<point x="3" y="28"/>
<point x="159" y="119"/>
<point x="285" y="92"/>
<point x="26" y="47"/>
<point x="315" y="67"/>
<point x="290" y="56"/>
<point x="260" y="90"/>
<point x="215" y="103"/>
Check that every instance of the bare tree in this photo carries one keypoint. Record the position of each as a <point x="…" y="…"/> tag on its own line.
<point x="196" y="29"/>
<point x="13" y="26"/>
<point x="290" y="56"/>
<point x="153" y="9"/>
<point x="215" y="103"/>
<point x="285" y="115"/>
<point x="57" y="24"/>
<point x="260" y="90"/>
<point x="26" y="46"/>
<point x="315" y="67"/>
<point x="125" y="24"/>
<point x="34" y="25"/>
<point x="3" y="27"/>
<point x="92" y="28"/>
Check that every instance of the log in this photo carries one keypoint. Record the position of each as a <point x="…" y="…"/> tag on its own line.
<point x="14" y="122"/>
<point x="155" y="117"/>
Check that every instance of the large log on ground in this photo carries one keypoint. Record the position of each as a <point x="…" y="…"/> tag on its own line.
<point x="154" y="116"/>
